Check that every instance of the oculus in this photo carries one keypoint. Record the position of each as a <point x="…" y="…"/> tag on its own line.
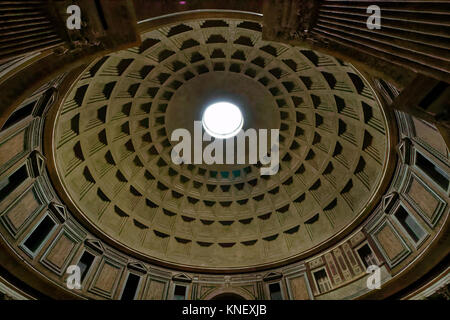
<point x="222" y="120"/>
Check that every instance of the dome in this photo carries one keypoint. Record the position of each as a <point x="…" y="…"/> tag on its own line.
<point x="217" y="150"/>
<point x="112" y="147"/>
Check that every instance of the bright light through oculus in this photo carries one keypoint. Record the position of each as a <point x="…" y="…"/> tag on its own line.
<point x="222" y="120"/>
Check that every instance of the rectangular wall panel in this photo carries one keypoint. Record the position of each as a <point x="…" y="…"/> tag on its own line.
<point x="107" y="278"/>
<point x="392" y="246"/>
<point x="156" y="290"/>
<point x="298" y="288"/>
<point x="60" y="252"/>
<point x="12" y="148"/>
<point x="21" y="211"/>
<point x="427" y="203"/>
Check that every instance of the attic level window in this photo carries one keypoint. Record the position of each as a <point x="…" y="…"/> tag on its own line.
<point x="129" y="292"/>
<point x="39" y="235"/>
<point x="12" y="182"/>
<point x="367" y="256"/>
<point x="85" y="263"/>
<point x="222" y="120"/>
<point x="19" y="115"/>
<point x="323" y="283"/>
<point x="275" y="291"/>
<point x="409" y="224"/>
<point x="433" y="171"/>
<point x="179" y="293"/>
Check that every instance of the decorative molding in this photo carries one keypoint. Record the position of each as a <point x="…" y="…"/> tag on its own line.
<point x="95" y="245"/>
<point x="271" y="276"/>
<point x="389" y="201"/>
<point x="404" y="150"/>
<point x="137" y="266"/>
<point x="59" y="210"/>
<point x="182" y="277"/>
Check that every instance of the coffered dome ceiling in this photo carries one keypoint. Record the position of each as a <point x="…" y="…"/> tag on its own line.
<point x="112" y="148"/>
